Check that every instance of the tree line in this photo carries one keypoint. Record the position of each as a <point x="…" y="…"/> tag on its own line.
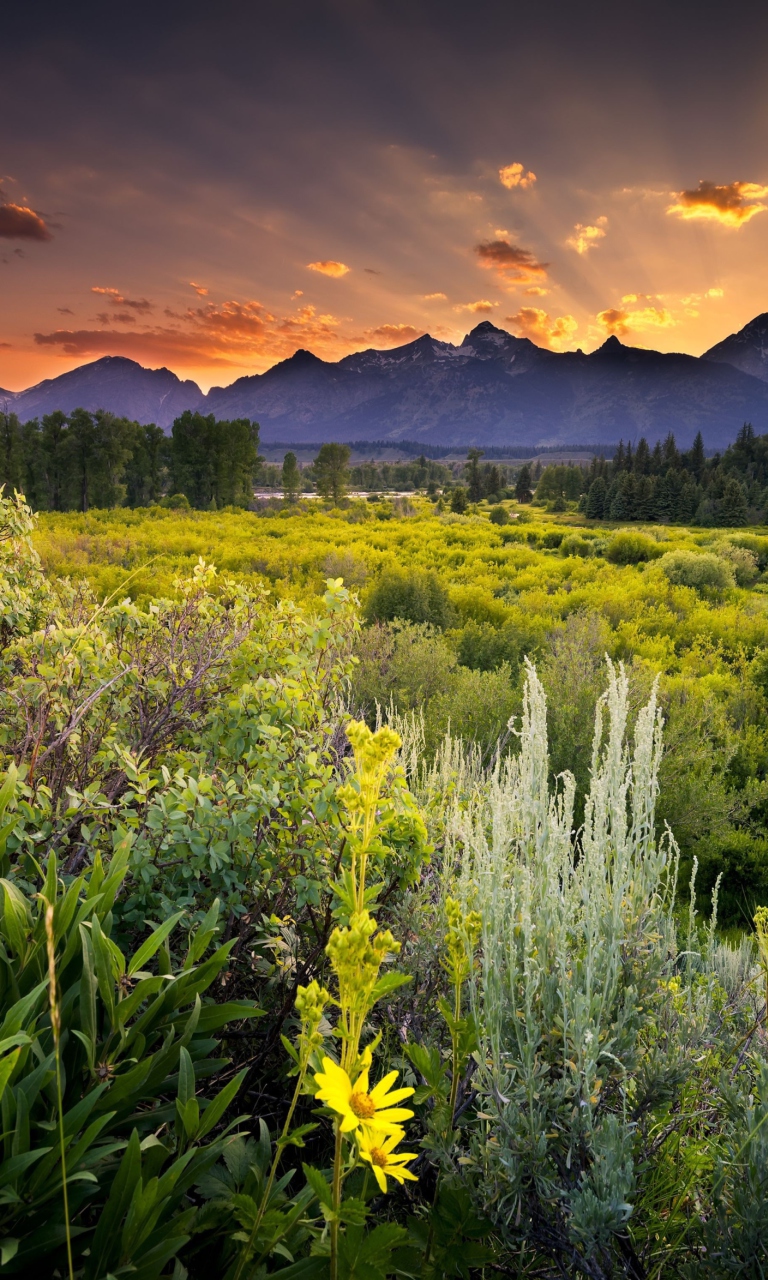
<point x="671" y="486"/>
<point x="74" y="462"/>
<point x="82" y="460"/>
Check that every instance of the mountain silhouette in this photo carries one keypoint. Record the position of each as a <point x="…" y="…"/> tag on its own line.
<point x="491" y="389"/>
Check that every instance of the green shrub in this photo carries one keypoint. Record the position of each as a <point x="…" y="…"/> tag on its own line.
<point x="459" y="500"/>
<point x="573" y="545"/>
<point x="628" y="547"/>
<point x="403" y="663"/>
<point x="411" y="595"/>
<point x="178" y="502"/>
<point x="485" y="647"/>
<point x="498" y="515"/>
<point x="552" y="538"/>
<point x="134" y="1045"/>
<point x="475" y="706"/>
<point x="742" y="560"/>
<point x="697" y="569"/>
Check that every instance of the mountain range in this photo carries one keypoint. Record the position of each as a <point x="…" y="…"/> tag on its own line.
<point x="492" y="389"/>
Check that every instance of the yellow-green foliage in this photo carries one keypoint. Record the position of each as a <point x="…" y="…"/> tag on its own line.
<point x="494" y="574"/>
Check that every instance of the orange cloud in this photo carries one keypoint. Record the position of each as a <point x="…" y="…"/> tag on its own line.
<point x="615" y="321"/>
<point x="536" y="291"/>
<point x="393" y="334"/>
<point x="731" y="204"/>
<point x="117" y="299"/>
<point x="434" y="297"/>
<point x="17" y="222"/>
<point x="235" y="334"/>
<point x="482" y="305"/>
<point x="329" y="268"/>
<point x="587" y="237"/>
<point x="515" y="265"/>
<point x="620" y="320"/>
<point x="199" y="289"/>
<point x="514" y="175"/>
<point x="543" y="329"/>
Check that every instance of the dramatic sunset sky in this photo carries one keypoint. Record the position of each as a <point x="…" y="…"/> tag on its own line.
<point x="211" y="186"/>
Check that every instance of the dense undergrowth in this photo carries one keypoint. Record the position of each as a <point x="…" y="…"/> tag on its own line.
<point x="475" y="598"/>
<point x="443" y="995"/>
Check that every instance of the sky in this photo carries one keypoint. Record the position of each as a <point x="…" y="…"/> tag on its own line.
<point x="209" y="187"/>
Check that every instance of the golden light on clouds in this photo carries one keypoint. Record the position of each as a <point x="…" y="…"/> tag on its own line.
<point x="482" y="305"/>
<point x="585" y="238"/>
<point x="514" y="175"/>
<point x="619" y="321"/>
<point x="731" y="204"/>
<point x="543" y="329"/>
<point x="513" y="264"/>
<point x="17" y="222"/>
<point x="231" y="334"/>
<point x="393" y="335"/>
<point x="119" y="300"/>
<point x="434" y="297"/>
<point x="329" y="268"/>
<point x="199" y="289"/>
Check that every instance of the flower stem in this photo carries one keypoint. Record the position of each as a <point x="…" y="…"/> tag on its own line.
<point x="336" y="1203"/>
<point x="279" y="1145"/>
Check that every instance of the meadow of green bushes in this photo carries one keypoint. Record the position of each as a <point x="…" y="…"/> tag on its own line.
<point x="305" y="802"/>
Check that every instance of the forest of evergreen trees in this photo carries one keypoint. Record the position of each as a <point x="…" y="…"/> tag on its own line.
<point x="672" y="487"/>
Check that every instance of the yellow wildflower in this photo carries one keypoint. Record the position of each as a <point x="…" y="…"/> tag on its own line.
<point x="359" y="1107"/>
<point x="378" y="1149"/>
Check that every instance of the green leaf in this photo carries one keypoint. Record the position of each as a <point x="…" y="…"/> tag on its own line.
<point x="104" y="971"/>
<point x="319" y="1185"/>
<point x="148" y="948"/>
<point x="88" y="997"/>
<point x="8" y="1249"/>
<point x="202" y="937"/>
<point x="106" y="1240"/>
<point x="368" y="1257"/>
<point x="186" y="1077"/>
<point x="353" y="1212"/>
<point x="306" y="1269"/>
<point x="15" y="923"/>
<point x="215" y="1109"/>
<point x="389" y="982"/>
<point x="296" y="1136"/>
<point x="214" y="1016"/>
<point x="6" y="794"/>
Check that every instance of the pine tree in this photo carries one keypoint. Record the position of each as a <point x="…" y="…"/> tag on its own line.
<point x="665" y="496"/>
<point x="595" y="504"/>
<point x="474" y="477"/>
<point x="696" y="457"/>
<point x="671" y="455"/>
<point x="645" y="498"/>
<point x="642" y="464"/>
<point x="523" y="490"/>
<point x="734" y="511"/>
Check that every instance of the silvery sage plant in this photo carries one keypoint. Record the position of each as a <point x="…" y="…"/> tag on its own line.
<point x="578" y="954"/>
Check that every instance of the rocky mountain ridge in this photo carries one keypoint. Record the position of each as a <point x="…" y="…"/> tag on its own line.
<point x="491" y="389"/>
